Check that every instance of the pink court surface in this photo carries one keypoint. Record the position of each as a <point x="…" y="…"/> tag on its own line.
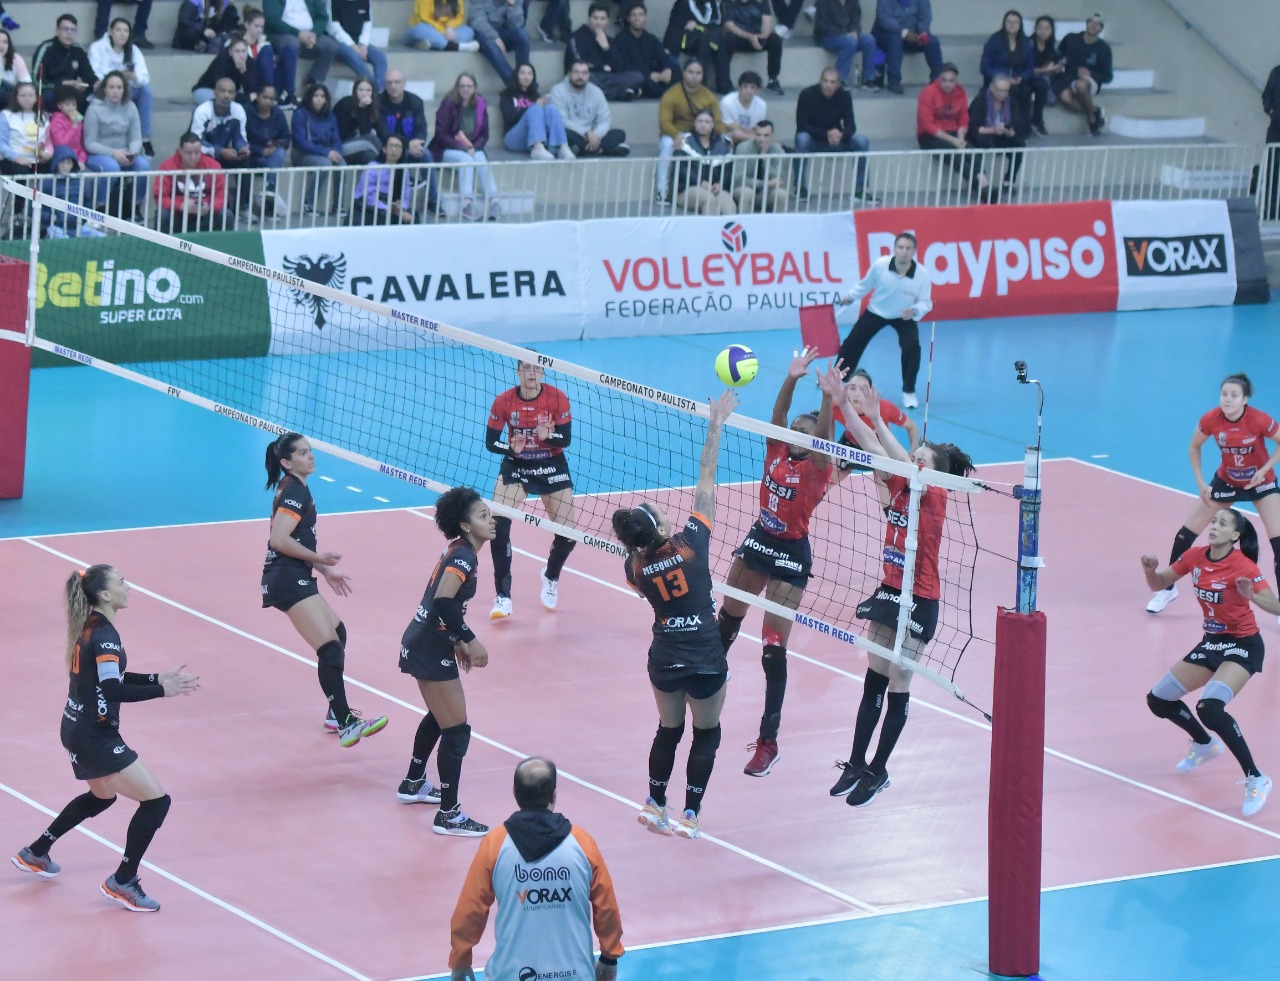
<point x="287" y="857"/>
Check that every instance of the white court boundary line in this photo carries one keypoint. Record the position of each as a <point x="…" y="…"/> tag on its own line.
<point x="830" y="891"/>
<point x="195" y="890"/>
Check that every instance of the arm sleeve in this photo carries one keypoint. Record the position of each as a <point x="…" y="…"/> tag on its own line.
<point x="494" y="443"/>
<point x="450" y="612"/>
<point x="134" y="678"/>
<point x="604" y="904"/>
<point x="117" y="690"/>
<point x="471" y="915"/>
<point x="561" y="436"/>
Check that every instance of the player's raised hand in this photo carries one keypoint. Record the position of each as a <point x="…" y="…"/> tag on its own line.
<point x="723" y="407"/>
<point x="800" y="362"/>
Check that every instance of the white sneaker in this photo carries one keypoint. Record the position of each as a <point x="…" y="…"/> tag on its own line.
<point x="550" y="591"/>
<point x="1162" y="598"/>
<point x="540" y="152"/>
<point x="1199" y="754"/>
<point x="566" y="153"/>
<point x="501" y="608"/>
<point x="909" y="400"/>
<point x="685" y="825"/>
<point x="1255" y="794"/>
<point x="469" y="46"/>
<point x="653" y="817"/>
<point x="782" y="30"/>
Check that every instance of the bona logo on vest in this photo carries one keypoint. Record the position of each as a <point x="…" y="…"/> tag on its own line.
<point x="543" y="897"/>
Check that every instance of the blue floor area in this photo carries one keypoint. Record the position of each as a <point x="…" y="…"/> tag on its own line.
<point x="1124" y="390"/>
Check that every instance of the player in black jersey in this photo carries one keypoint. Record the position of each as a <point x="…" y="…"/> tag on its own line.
<point x="91" y="734"/>
<point x="438" y="641"/>
<point x="686" y="656"/>
<point x="289" y="582"/>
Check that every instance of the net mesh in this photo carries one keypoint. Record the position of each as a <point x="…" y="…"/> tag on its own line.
<point x="286" y="349"/>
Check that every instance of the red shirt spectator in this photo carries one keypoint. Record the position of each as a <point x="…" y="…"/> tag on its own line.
<point x="191" y="201"/>
<point x="940" y="110"/>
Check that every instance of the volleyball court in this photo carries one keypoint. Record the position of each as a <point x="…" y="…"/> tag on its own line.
<point x="286" y="856"/>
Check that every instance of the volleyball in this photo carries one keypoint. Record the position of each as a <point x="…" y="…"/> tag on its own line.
<point x="736" y="365"/>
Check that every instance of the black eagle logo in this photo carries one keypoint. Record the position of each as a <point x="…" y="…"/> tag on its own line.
<point x="325" y="271"/>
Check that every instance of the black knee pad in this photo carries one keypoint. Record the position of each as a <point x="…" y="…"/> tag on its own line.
<point x="98" y="804"/>
<point x="1213" y="713"/>
<point x="774" y="661"/>
<point x="330" y="655"/>
<point x="875" y="683"/>
<point x="561" y="547"/>
<point x="705" y="741"/>
<point x="153" y="812"/>
<point x="667" y="737"/>
<point x="455" y="740"/>
<point x="1185" y="538"/>
<point x="342" y="634"/>
<point x="1161" y="708"/>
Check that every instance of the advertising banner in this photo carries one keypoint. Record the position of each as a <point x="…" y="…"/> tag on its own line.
<point x="700" y="274"/>
<point x="1174" y="254"/>
<point x="1012" y="260"/>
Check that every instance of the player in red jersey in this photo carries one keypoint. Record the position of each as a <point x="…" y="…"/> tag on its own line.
<point x="886" y="681"/>
<point x="1226" y="580"/>
<point x="1246" y="473"/>
<point x="860" y="386"/>
<point x="538" y="426"/>
<point x="775" y="556"/>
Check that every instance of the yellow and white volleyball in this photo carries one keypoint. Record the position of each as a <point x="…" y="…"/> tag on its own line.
<point x="736" y="365"/>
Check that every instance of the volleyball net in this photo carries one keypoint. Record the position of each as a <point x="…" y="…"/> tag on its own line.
<point x="289" y="349"/>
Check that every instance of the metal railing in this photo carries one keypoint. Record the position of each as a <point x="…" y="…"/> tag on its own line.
<point x="299" y="197"/>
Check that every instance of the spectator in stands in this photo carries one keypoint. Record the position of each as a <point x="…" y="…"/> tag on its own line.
<point x="221" y="124"/>
<point x="193" y="201"/>
<point x="112" y="130"/>
<point x="499" y="28"/>
<point x="205" y="25"/>
<point x="233" y="62"/>
<point x="636" y="50"/>
<point x="904" y="26"/>
<point x="825" y="124"/>
<point x="942" y="123"/>
<point x="104" y="16"/>
<point x="351" y="26"/>
<point x="1009" y="52"/>
<point x="1271" y="106"/>
<point x="65" y="183"/>
<point x="316" y="143"/>
<point x="696" y="31"/>
<point x="462" y="130"/>
<point x="12" y="68"/>
<point x="60" y="60"/>
<point x="762" y="182"/>
<point x="266" y="67"/>
<point x="299" y="29"/>
<point x="675" y="118"/>
<point x="837" y="28"/>
<point x="748" y="26"/>
<point x="267" y="131"/>
<point x="1047" y="64"/>
<point x="704" y="169"/>
<point x="530" y="123"/>
<point x="384" y="192"/>
<point x="360" y="124"/>
<point x="66" y="125"/>
<point x="22" y="139"/>
<point x="440" y="25"/>
<point x="404" y="113"/>
<point x="741" y="110"/>
<point x="585" y="112"/>
<point x="991" y="126"/>
<point x="1087" y="67"/>
<point x="116" y="51"/>
<point x="592" y="46"/>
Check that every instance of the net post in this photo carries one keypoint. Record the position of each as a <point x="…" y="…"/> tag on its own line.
<point x="15" y="376"/>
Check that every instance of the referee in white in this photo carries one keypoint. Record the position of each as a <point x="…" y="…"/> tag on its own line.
<point x="901" y="294"/>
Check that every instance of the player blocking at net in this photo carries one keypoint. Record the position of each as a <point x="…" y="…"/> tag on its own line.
<point x="886" y="690"/>
<point x="538" y="423"/>
<point x="776" y="556"/>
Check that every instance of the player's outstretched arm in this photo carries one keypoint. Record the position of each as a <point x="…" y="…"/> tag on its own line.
<point x="704" y="500"/>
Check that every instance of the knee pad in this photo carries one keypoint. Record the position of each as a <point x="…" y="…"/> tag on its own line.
<point x="774" y="661"/>
<point x="876" y="683"/>
<point x="1162" y="708"/>
<point x="154" y="811"/>
<point x="98" y="804"/>
<point x="1213" y="713"/>
<point x="705" y="741"/>
<point x="330" y="655"/>
<point x="669" y="738"/>
<point x="342" y="634"/>
<point x="455" y="740"/>
<point x="1185" y="538"/>
<point x="1168" y="688"/>
<point x="561" y="546"/>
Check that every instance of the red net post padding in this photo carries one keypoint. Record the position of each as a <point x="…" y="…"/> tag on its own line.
<point x="15" y="377"/>
<point x="1014" y="827"/>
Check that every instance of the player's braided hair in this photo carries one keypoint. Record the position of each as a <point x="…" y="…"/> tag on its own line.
<point x="453" y="508"/>
<point x="83" y="590"/>
<point x="278" y="449"/>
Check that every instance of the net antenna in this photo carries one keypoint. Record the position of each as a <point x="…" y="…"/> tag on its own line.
<point x="410" y="397"/>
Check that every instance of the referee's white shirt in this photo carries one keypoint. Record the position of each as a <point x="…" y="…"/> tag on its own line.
<point x="891" y="293"/>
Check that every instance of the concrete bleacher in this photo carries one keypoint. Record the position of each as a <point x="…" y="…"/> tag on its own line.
<point x="1154" y="90"/>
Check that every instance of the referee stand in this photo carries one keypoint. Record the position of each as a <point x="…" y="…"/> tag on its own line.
<point x="1016" y="803"/>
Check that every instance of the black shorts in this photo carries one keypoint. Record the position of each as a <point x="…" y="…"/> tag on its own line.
<point x="1224" y="493"/>
<point x="1217" y="649"/>
<point x="284" y="587"/>
<point x="546" y="476"/>
<point x="95" y="750"/>
<point x="433" y="661"/>
<point x="788" y="560"/>
<point x="882" y="607"/>
<point x="697" y="686"/>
